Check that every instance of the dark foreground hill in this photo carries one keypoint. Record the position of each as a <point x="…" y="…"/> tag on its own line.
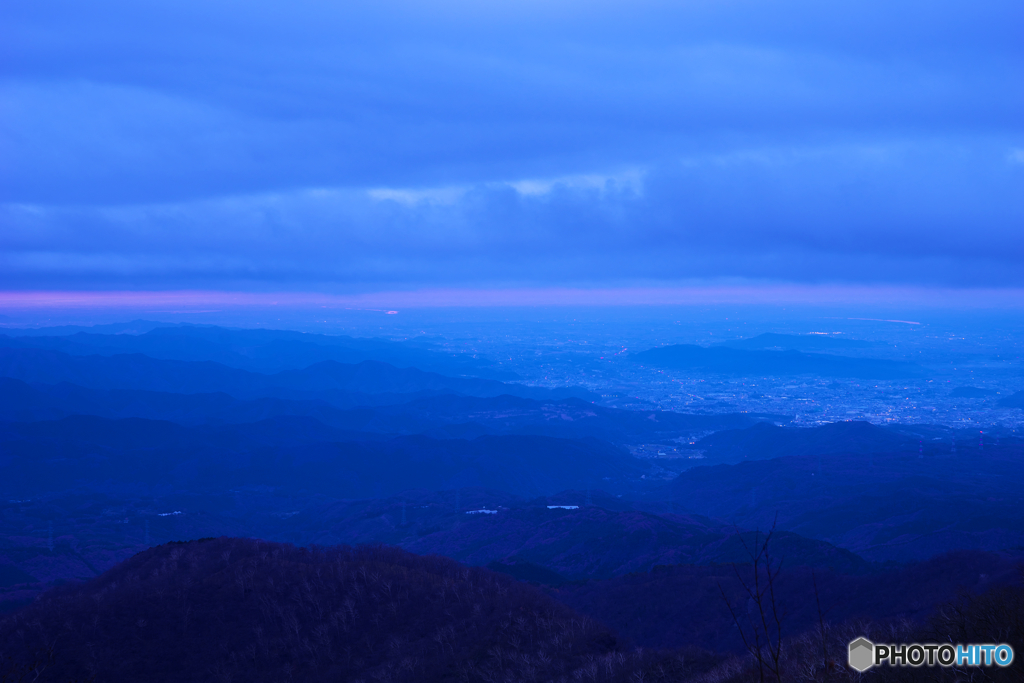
<point x="245" y="610"/>
<point x="677" y="604"/>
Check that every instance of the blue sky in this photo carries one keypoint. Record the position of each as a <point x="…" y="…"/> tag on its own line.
<point x="363" y="146"/>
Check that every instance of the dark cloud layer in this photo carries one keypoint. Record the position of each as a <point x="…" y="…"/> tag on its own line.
<point x="373" y="145"/>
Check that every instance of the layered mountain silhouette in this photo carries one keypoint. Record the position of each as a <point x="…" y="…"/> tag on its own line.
<point x="343" y="385"/>
<point x="117" y="439"/>
<point x="293" y="454"/>
<point x="903" y="505"/>
<point x="583" y="535"/>
<point x="445" y="415"/>
<point x="575" y="542"/>
<point x="594" y="543"/>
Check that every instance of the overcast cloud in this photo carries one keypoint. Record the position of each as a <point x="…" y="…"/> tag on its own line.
<point x="354" y="146"/>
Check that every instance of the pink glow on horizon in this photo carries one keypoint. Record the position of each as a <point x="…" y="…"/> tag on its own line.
<point x="208" y="301"/>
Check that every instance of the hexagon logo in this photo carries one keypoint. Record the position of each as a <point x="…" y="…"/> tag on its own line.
<point x="862" y="654"/>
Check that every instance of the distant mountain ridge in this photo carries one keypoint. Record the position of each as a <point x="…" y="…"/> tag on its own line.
<point x="734" y="361"/>
<point x="257" y="350"/>
<point x="764" y="441"/>
<point x="133" y="327"/>
<point x="798" y="342"/>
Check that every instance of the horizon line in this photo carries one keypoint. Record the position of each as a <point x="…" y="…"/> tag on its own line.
<point x="389" y="301"/>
